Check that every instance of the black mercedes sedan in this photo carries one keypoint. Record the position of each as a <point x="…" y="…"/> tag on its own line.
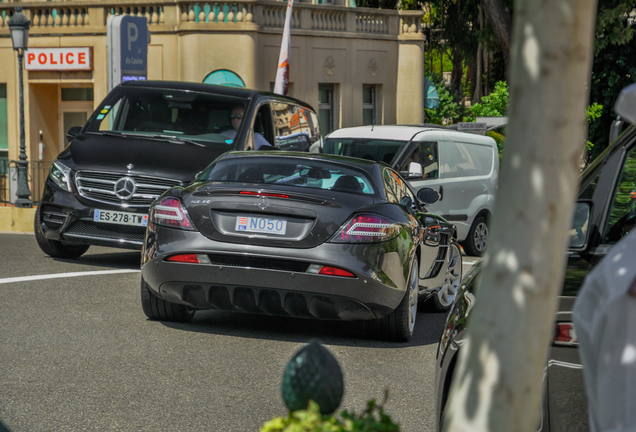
<point x="300" y="235"/>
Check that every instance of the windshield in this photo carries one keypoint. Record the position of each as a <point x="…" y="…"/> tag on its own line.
<point x="160" y="113"/>
<point x="364" y="148"/>
<point x="297" y="172"/>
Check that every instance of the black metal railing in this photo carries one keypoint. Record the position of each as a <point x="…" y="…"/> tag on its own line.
<point x="4" y="181"/>
<point x="38" y="172"/>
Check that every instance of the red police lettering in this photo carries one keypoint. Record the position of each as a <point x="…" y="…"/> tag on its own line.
<point x="81" y="58"/>
<point x="52" y="61"/>
<point x="30" y="57"/>
<point x="42" y="58"/>
<point x="69" y="58"/>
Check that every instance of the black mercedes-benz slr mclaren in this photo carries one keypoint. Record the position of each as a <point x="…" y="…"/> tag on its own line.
<point x="300" y="235"/>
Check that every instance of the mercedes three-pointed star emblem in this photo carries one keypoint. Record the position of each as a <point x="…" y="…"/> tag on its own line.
<point x="262" y="203"/>
<point x="125" y="188"/>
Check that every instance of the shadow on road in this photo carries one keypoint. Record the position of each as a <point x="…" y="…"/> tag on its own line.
<point x="428" y="328"/>
<point x="119" y="260"/>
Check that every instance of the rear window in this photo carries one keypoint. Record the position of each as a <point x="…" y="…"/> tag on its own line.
<point x="200" y="117"/>
<point x="375" y="150"/>
<point x="301" y="173"/>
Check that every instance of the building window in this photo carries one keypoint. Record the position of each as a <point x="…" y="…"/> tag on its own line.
<point x="368" y="105"/>
<point x="325" y="107"/>
<point x="81" y="94"/>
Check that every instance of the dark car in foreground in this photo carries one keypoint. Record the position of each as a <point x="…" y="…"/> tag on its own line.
<point x="605" y="212"/>
<point x="300" y="235"/>
<point x="143" y="139"/>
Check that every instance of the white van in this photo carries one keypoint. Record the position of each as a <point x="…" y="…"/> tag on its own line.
<point x="463" y="167"/>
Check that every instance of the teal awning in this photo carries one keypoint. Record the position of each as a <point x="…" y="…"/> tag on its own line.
<point x="224" y="77"/>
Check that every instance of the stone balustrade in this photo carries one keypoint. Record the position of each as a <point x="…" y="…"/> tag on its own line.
<point x="410" y="22"/>
<point x="216" y="12"/>
<point x="326" y="19"/>
<point x="153" y="13"/>
<point x="274" y="16"/>
<point x="372" y="22"/>
<point x="90" y="16"/>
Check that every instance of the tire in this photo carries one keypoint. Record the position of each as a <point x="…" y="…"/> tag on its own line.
<point x="399" y="325"/>
<point x="443" y="299"/>
<point x="55" y="248"/>
<point x="477" y="240"/>
<point x="159" y="309"/>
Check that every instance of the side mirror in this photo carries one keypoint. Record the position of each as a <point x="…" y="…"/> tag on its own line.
<point x="406" y="202"/>
<point x="625" y="105"/>
<point x="73" y="132"/>
<point x="427" y="195"/>
<point x="415" y="171"/>
<point x="580" y="225"/>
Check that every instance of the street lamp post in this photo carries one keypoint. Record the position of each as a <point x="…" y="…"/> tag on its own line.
<point x="19" y="27"/>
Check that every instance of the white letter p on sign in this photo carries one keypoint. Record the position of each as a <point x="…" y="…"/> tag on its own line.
<point x="133" y="34"/>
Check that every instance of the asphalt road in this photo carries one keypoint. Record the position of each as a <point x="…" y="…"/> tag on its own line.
<point x="78" y="354"/>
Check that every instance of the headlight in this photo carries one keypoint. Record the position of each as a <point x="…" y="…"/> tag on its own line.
<point x="61" y="175"/>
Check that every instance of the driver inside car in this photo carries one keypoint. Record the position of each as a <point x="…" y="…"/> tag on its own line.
<point x="236" y="118"/>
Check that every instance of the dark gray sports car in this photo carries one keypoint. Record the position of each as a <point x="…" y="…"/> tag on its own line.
<point x="301" y="235"/>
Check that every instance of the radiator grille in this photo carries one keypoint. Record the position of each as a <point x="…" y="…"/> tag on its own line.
<point x="100" y="187"/>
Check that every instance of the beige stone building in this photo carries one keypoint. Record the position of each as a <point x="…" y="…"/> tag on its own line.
<point x="353" y="65"/>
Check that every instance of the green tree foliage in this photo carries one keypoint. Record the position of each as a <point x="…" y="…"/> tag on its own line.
<point x="493" y="105"/>
<point x="373" y="419"/>
<point x="614" y="67"/>
<point x="449" y="111"/>
<point x="456" y="35"/>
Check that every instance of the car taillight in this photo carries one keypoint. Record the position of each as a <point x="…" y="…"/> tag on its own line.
<point x="564" y="334"/>
<point x="367" y="228"/>
<point x="190" y="258"/>
<point x="329" y="271"/>
<point x="170" y="212"/>
<point x="264" y="194"/>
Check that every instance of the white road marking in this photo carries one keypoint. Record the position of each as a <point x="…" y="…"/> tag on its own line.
<point x="64" y="275"/>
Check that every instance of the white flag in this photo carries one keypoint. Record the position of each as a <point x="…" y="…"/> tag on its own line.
<point x="282" y="73"/>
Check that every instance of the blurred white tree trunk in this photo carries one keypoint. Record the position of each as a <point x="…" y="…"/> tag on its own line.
<point x="497" y="383"/>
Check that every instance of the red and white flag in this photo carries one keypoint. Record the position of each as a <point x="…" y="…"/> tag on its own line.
<point x="282" y="73"/>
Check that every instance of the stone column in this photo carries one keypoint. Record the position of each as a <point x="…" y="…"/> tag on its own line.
<point x="410" y="82"/>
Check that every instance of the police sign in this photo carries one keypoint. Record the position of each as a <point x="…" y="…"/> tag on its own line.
<point x="128" y="39"/>
<point x="59" y="59"/>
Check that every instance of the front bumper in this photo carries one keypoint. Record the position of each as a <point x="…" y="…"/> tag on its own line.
<point x="274" y="281"/>
<point x="64" y="218"/>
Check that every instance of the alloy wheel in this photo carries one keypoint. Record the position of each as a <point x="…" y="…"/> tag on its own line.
<point x="447" y="293"/>
<point x="481" y="237"/>
<point x="413" y="296"/>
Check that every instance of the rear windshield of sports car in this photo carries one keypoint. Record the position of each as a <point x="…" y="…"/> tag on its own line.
<point x="364" y="148"/>
<point x="301" y="173"/>
<point x="198" y="118"/>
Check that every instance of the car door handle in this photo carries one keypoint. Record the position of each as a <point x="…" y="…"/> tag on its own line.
<point x="441" y="193"/>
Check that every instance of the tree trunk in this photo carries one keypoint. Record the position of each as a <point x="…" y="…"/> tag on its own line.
<point x="457" y="73"/>
<point x="500" y="19"/>
<point x="477" y="91"/>
<point x="497" y="382"/>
